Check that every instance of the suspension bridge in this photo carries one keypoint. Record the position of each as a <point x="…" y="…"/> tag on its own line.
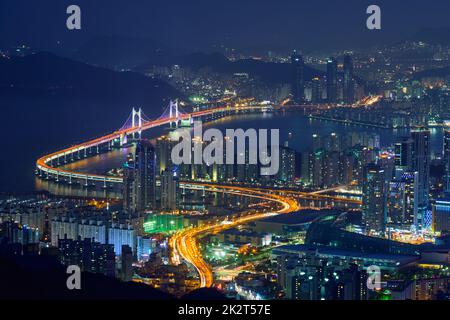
<point x="185" y="244"/>
<point x="51" y="166"/>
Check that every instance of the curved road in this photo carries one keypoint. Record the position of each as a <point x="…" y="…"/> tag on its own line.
<point x="45" y="163"/>
<point x="185" y="243"/>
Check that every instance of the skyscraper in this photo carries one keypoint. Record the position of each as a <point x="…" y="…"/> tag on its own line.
<point x="421" y="163"/>
<point x="331" y="142"/>
<point x="316" y="94"/>
<point x="316" y="142"/>
<point x="145" y="160"/>
<point x="246" y="172"/>
<point x="331" y="80"/>
<point x="446" y="158"/>
<point x="163" y="148"/>
<point x="402" y="199"/>
<point x="403" y="154"/>
<point x="139" y="192"/>
<point x="169" y="190"/>
<point x="349" y="85"/>
<point x="129" y="179"/>
<point x="331" y="166"/>
<point x="298" y="81"/>
<point x="286" y="172"/>
<point x="305" y="167"/>
<point x="441" y="216"/>
<point x="316" y="168"/>
<point x="374" y="198"/>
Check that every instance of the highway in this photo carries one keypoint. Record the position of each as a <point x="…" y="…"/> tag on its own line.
<point x="185" y="243"/>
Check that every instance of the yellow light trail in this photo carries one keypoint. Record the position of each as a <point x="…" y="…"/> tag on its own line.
<point x="185" y="243"/>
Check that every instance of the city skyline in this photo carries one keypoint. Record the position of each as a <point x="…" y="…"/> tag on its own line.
<point x="182" y="26"/>
<point x="253" y="160"/>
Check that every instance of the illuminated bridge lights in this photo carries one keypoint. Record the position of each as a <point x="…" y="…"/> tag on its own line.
<point x="45" y="164"/>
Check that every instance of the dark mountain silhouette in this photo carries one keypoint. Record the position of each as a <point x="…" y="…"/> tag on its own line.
<point x="42" y="277"/>
<point x="45" y="75"/>
<point x="267" y="71"/>
<point x="433" y="35"/>
<point x="198" y="60"/>
<point x="432" y="73"/>
<point x="205" y="294"/>
<point x="58" y="102"/>
<point x="39" y="277"/>
<point x="116" y="52"/>
<point x="119" y="52"/>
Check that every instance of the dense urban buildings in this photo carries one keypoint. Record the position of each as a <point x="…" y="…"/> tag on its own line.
<point x="349" y="82"/>
<point x="446" y="158"/>
<point x="140" y="174"/>
<point x="358" y="207"/>
<point x="332" y="80"/>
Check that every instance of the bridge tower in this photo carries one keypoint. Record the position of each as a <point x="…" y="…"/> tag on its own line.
<point x="137" y="123"/>
<point x="174" y="113"/>
<point x="123" y="139"/>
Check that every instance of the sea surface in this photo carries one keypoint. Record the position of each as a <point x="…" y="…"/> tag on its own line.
<point x="30" y="132"/>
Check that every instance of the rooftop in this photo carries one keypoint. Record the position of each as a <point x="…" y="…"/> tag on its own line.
<point x="335" y="252"/>
<point x="301" y="217"/>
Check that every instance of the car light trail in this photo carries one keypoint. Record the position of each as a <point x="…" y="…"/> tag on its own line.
<point x="185" y="243"/>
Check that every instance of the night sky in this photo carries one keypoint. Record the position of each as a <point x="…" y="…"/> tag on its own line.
<point x="200" y="24"/>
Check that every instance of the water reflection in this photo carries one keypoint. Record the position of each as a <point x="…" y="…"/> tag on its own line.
<point x="294" y="128"/>
<point x="77" y="191"/>
<point x="101" y="163"/>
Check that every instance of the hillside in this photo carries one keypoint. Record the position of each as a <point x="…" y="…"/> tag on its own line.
<point x="119" y="52"/>
<point x="267" y="71"/>
<point x="46" y="75"/>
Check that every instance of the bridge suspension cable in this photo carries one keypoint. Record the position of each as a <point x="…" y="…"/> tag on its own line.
<point x="173" y="110"/>
<point x="137" y="118"/>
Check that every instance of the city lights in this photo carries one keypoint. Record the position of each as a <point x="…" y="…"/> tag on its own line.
<point x="178" y="151"/>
